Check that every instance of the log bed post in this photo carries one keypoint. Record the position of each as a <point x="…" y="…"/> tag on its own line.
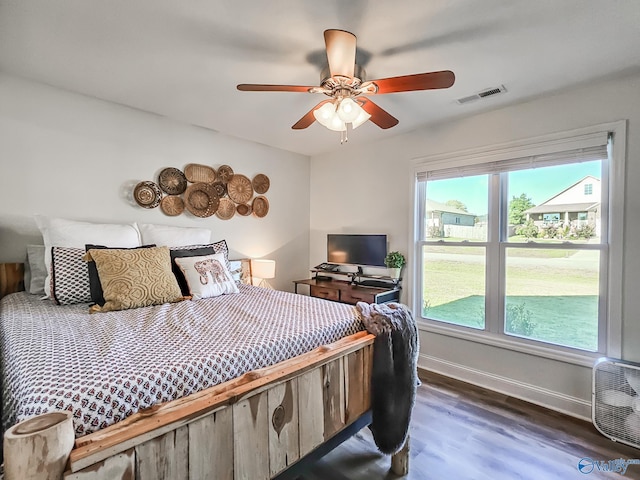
<point x="38" y="448"/>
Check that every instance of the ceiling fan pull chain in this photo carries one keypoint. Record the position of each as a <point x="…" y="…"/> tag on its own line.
<point x="343" y="136"/>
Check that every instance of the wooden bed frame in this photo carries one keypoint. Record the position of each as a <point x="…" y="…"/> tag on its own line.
<point x="253" y="427"/>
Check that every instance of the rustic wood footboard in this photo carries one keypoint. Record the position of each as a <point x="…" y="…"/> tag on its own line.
<point x="253" y="427"/>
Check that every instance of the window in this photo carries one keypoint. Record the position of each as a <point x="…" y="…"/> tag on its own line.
<point x="588" y="188"/>
<point x="532" y="269"/>
<point x="551" y="217"/>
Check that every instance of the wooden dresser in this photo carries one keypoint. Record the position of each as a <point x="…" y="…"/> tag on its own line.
<point x="344" y="292"/>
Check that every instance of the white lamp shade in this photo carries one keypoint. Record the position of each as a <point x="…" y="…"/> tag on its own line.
<point x="348" y="110"/>
<point x="325" y="113"/>
<point x="362" y="117"/>
<point x="327" y="117"/>
<point x="263" y="268"/>
<point x="336" y="124"/>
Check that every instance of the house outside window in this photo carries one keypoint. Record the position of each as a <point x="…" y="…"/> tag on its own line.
<point x="534" y="274"/>
<point x="588" y="189"/>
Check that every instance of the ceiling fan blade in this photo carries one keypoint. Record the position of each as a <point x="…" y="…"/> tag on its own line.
<point x="380" y="117"/>
<point x="308" y="117"/>
<point x="256" y="87"/>
<point x="418" y="81"/>
<point x="341" y="52"/>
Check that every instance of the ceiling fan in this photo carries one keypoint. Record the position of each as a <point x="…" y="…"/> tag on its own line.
<point x="344" y="83"/>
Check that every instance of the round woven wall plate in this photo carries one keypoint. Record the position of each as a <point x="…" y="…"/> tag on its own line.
<point x="260" y="206"/>
<point x="226" y="210"/>
<point x="261" y="183"/>
<point x="225" y="172"/>
<point x="239" y="189"/>
<point x="244" y="209"/>
<point x="147" y="194"/>
<point x="172" y="205"/>
<point x="196" y="173"/>
<point x="201" y="199"/>
<point x="221" y="188"/>
<point x="172" y="181"/>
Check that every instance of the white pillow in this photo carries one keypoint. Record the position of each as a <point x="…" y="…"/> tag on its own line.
<point x="173" y="236"/>
<point x="59" y="232"/>
<point x="207" y="276"/>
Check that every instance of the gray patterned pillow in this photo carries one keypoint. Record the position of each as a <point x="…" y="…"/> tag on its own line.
<point x="37" y="271"/>
<point x="69" y="276"/>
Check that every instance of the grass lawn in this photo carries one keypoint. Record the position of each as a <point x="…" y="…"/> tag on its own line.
<point x="564" y="320"/>
<point x="557" y="294"/>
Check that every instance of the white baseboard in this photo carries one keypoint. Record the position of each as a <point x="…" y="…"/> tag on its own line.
<point x="576" y="407"/>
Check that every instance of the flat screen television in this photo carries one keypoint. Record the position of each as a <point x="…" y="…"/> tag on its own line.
<point x="365" y="250"/>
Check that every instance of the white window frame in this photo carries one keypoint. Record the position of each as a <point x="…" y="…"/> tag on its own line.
<point x="564" y="141"/>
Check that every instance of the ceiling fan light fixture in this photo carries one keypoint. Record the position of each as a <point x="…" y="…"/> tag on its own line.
<point x="325" y="114"/>
<point x="336" y="124"/>
<point x="348" y="110"/>
<point x="362" y="117"/>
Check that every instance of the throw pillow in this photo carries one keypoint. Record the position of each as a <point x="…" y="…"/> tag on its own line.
<point x="221" y="247"/>
<point x="70" y="233"/>
<point x="95" y="287"/>
<point x="192" y="251"/>
<point x="133" y="278"/>
<point x="37" y="272"/>
<point x="207" y="276"/>
<point x="69" y="276"/>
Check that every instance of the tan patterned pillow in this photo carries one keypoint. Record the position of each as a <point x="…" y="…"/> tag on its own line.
<point x="134" y="278"/>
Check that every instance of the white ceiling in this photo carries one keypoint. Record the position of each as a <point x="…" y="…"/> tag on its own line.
<point x="182" y="59"/>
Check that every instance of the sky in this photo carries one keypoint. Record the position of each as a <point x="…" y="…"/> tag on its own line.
<point x="539" y="184"/>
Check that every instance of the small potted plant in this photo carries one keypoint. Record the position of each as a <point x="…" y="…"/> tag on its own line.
<point x="394" y="262"/>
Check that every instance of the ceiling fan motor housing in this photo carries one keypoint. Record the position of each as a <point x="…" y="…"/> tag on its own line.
<point x="359" y="75"/>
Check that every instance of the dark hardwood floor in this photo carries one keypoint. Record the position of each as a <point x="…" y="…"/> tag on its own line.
<point x="463" y="432"/>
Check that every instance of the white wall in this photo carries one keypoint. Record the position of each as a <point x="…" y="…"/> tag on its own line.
<point x="377" y="181"/>
<point x="71" y="156"/>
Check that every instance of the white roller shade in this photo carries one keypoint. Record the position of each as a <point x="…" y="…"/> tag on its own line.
<point x="581" y="148"/>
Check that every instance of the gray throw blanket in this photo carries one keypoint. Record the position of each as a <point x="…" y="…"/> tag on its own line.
<point x="394" y="372"/>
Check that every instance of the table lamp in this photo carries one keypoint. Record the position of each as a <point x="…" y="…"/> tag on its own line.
<point x="261" y="270"/>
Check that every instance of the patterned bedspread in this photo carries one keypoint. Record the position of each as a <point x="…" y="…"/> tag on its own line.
<point x="107" y="366"/>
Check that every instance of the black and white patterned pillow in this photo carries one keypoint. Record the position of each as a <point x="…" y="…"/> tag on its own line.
<point x="69" y="276"/>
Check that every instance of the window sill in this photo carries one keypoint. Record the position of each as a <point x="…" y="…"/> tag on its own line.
<point x="529" y="347"/>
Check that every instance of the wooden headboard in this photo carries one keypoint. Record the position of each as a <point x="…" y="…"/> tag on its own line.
<point x="11" y="278"/>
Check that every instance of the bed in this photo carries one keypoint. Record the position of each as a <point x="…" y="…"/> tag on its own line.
<point x="236" y="386"/>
